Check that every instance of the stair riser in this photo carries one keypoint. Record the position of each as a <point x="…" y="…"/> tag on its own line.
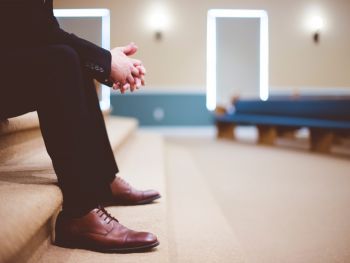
<point x="17" y="146"/>
<point x="37" y="245"/>
<point x="21" y="123"/>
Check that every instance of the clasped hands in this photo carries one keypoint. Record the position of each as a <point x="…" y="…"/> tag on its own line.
<point x="126" y="72"/>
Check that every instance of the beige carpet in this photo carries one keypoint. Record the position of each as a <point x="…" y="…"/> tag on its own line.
<point x="141" y="163"/>
<point x="198" y="230"/>
<point x="27" y="200"/>
<point x="285" y="205"/>
<point x="28" y="192"/>
<point x="20" y="123"/>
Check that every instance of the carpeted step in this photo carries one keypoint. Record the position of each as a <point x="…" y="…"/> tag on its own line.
<point x="198" y="230"/>
<point x="141" y="162"/>
<point x="18" y="137"/>
<point x="28" y="195"/>
<point x="27" y="200"/>
<point x="24" y="122"/>
<point x="26" y="149"/>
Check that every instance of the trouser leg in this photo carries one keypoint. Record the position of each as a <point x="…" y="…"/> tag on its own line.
<point x="103" y="145"/>
<point x="75" y="136"/>
<point x="72" y="126"/>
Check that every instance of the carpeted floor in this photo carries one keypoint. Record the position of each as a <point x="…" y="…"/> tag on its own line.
<point x="284" y="204"/>
<point x="144" y="171"/>
<point x="198" y="230"/>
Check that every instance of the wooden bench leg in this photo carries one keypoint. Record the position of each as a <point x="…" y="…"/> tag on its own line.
<point x="340" y="138"/>
<point x="321" y="140"/>
<point x="225" y="130"/>
<point x="267" y="135"/>
<point x="288" y="133"/>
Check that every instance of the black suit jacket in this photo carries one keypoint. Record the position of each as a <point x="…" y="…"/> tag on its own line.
<point x="31" y="23"/>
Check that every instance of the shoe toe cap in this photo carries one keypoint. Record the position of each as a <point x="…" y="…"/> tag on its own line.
<point x="150" y="238"/>
<point x="151" y="194"/>
<point x="142" y="238"/>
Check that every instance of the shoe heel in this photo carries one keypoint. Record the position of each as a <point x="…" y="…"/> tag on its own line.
<point x="62" y="242"/>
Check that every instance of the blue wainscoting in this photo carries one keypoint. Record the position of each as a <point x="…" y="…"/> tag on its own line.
<point x="163" y="109"/>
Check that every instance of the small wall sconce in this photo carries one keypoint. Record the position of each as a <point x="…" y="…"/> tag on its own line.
<point x="158" y="35"/>
<point x="158" y="20"/>
<point x="317" y="25"/>
<point x="316" y="37"/>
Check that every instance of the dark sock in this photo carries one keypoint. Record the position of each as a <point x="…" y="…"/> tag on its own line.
<point x="78" y="211"/>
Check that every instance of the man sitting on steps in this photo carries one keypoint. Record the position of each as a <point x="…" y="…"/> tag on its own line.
<point x="48" y="70"/>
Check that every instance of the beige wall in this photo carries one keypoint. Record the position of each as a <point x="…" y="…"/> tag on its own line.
<point x="180" y="59"/>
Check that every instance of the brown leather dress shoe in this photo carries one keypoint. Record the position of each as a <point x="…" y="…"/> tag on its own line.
<point x="99" y="231"/>
<point x="124" y="194"/>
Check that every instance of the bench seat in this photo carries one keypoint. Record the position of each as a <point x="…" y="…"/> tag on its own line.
<point x="296" y="122"/>
<point x="326" y="118"/>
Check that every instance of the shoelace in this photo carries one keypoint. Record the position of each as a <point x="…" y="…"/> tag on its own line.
<point x="107" y="216"/>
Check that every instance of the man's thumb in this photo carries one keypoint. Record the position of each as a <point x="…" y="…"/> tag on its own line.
<point x="130" y="49"/>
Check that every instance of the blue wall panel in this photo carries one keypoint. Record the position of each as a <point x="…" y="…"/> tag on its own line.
<point x="163" y="109"/>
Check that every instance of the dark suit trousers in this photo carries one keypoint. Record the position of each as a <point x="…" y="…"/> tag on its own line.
<point x="52" y="81"/>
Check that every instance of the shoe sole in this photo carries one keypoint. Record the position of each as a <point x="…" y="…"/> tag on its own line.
<point x="147" y="201"/>
<point x="125" y="250"/>
<point x="143" y="202"/>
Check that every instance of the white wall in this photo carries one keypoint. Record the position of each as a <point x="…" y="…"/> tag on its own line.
<point x="180" y="59"/>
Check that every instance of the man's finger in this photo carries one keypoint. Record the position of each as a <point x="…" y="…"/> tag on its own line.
<point x="130" y="49"/>
<point x="125" y="87"/>
<point x="135" y="71"/>
<point x="130" y="79"/>
<point x="143" y="82"/>
<point x="138" y="83"/>
<point x="136" y="62"/>
<point x="142" y="69"/>
<point x="116" y="86"/>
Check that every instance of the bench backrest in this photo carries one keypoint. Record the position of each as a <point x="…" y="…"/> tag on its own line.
<point x="318" y="109"/>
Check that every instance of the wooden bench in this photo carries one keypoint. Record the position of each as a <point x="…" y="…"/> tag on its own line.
<point x="325" y="118"/>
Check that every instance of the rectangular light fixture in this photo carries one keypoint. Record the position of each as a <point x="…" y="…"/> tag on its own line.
<point x="213" y="14"/>
<point x="104" y="14"/>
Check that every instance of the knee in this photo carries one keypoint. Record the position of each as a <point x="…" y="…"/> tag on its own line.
<point x="64" y="73"/>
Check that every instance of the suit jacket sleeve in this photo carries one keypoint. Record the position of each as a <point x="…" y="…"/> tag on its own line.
<point x="94" y="58"/>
